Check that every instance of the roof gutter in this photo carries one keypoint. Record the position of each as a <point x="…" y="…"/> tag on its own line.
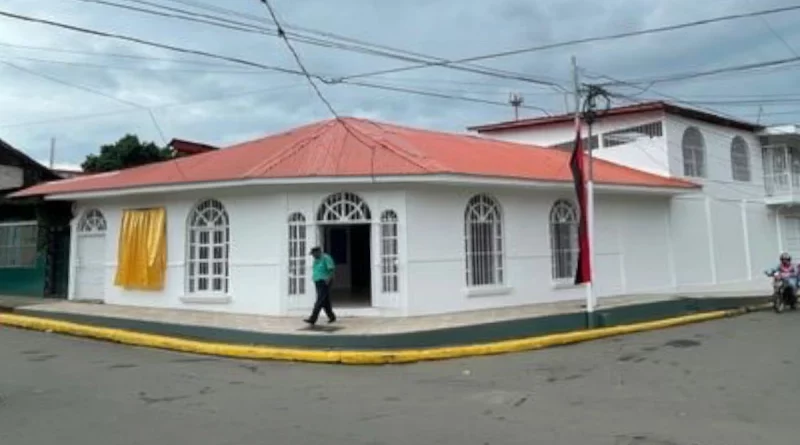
<point x="443" y="179"/>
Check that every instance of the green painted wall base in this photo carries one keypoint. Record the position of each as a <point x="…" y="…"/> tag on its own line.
<point x="27" y="281"/>
<point x="464" y="335"/>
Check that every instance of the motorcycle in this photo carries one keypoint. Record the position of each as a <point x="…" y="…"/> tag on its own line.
<point x="782" y="295"/>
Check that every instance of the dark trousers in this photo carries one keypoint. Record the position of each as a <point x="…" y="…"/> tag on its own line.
<point x="323" y="301"/>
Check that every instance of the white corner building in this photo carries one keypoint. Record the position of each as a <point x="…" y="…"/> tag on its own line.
<point x="422" y="222"/>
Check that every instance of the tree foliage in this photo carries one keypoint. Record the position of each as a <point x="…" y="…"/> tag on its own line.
<point x="127" y="152"/>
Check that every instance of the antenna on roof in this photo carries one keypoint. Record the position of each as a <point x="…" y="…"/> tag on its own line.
<point x="516" y="100"/>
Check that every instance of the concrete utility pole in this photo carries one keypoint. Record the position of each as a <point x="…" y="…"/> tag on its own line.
<point x="590" y="297"/>
<point x="52" y="152"/>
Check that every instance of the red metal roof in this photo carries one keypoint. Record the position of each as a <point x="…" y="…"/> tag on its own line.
<point x="357" y="147"/>
<point x="620" y="111"/>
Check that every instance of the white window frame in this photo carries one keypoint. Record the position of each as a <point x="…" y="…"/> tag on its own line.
<point x="740" y="160"/>
<point x="390" y="248"/>
<point x="92" y="223"/>
<point x="564" y="258"/>
<point x="483" y="269"/>
<point x="208" y="219"/>
<point x="694" y="153"/>
<point x="14" y="245"/>
<point x="298" y="246"/>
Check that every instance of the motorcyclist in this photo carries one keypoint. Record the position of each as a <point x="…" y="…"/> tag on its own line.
<point x="786" y="271"/>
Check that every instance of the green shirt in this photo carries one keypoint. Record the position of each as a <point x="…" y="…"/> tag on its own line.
<point x="323" y="267"/>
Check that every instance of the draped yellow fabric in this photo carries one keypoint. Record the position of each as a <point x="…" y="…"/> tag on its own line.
<point x="142" y="255"/>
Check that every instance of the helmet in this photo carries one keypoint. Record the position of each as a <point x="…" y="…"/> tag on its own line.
<point x="786" y="257"/>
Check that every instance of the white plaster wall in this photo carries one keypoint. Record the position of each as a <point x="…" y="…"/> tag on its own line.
<point x="719" y="181"/>
<point x="643" y="244"/>
<point x="258" y="247"/>
<point x="631" y="249"/>
<point x="645" y="154"/>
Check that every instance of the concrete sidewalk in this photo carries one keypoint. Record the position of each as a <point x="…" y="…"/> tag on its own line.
<point x="365" y="333"/>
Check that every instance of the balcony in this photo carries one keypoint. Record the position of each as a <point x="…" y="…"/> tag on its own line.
<point x="782" y="174"/>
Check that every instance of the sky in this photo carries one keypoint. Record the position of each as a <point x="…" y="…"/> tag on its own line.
<point x="86" y="91"/>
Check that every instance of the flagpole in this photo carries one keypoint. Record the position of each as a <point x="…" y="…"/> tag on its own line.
<point x="590" y="302"/>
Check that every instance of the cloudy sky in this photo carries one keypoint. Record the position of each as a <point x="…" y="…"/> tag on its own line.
<point x="86" y="91"/>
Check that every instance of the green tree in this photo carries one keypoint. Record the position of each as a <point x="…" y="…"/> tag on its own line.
<point x="127" y="152"/>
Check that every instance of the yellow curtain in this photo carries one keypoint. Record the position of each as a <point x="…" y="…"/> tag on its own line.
<point x="142" y="254"/>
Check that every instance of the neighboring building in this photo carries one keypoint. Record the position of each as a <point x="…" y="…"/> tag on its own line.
<point x="721" y="236"/>
<point x="66" y="174"/>
<point x="419" y="222"/>
<point x="34" y="235"/>
<point x="181" y="148"/>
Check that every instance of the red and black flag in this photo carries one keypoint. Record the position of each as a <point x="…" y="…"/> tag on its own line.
<point x="577" y="165"/>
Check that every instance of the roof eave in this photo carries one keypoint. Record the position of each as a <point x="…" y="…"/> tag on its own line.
<point x="669" y="108"/>
<point x="441" y="178"/>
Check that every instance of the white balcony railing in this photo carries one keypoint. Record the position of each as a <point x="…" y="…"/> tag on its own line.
<point x="782" y="184"/>
<point x="781" y="172"/>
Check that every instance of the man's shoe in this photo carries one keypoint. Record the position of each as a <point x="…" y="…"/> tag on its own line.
<point x="332" y="320"/>
<point x="310" y="321"/>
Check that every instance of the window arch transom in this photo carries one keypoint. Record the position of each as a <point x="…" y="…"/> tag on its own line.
<point x="92" y="222"/>
<point x="344" y="207"/>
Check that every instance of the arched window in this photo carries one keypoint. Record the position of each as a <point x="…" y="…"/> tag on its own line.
<point x="297" y="254"/>
<point x="564" y="239"/>
<point x="483" y="238"/>
<point x="343" y="207"/>
<point x="389" y="252"/>
<point x="694" y="153"/>
<point x="208" y="248"/>
<point x="740" y="160"/>
<point x="92" y="223"/>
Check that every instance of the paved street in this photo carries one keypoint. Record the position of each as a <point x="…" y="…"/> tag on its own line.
<point x="725" y="382"/>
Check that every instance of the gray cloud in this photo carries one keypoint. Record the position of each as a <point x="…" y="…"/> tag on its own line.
<point x="196" y="101"/>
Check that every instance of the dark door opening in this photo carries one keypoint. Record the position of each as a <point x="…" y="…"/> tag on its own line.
<point x="349" y="245"/>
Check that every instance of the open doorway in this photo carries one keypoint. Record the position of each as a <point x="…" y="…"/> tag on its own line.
<point x="349" y="245"/>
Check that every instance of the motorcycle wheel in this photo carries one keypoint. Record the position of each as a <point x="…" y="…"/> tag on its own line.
<point x="778" y="303"/>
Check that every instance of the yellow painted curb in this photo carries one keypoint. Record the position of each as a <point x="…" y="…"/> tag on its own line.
<point x="354" y="357"/>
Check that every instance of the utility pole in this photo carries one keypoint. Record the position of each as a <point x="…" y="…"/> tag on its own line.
<point x="52" y="152"/>
<point x="590" y="298"/>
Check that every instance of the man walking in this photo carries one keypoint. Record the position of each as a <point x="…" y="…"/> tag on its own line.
<point x="322" y="274"/>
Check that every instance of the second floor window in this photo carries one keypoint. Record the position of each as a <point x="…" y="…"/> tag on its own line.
<point x="740" y="160"/>
<point x="693" y="147"/>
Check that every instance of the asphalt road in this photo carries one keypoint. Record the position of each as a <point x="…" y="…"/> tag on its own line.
<point x="725" y="382"/>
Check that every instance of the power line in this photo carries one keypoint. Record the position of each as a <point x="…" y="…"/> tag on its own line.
<point x="132" y="68"/>
<point x="69" y="84"/>
<point x="439" y="95"/>
<point x="92" y="91"/>
<point x="580" y="41"/>
<point x="150" y="114"/>
<point x="777" y="35"/>
<point x="697" y="74"/>
<point x="414" y="56"/>
<point x="159" y="107"/>
<point x="148" y="43"/>
<point x="364" y="49"/>
<point x="663" y="95"/>
<point x="192" y="51"/>
<point x="112" y="55"/>
<point x="282" y="35"/>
